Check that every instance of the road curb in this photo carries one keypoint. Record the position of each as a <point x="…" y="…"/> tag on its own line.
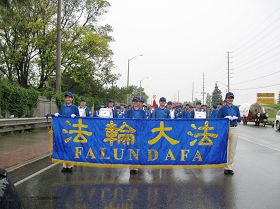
<point x="33" y="160"/>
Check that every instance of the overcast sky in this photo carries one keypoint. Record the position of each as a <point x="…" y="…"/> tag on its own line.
<point x="181" y="39"/>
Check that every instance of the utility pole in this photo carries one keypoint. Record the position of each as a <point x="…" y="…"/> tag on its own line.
<point x="127" y="84"/>
<point x="140" y="88"/>
<point x="228" y="70"/>
<point x="203" y="89"/>
<point x="192" y="91"/>
<point x="178" y="95"/>
<point x="58" y="49"/>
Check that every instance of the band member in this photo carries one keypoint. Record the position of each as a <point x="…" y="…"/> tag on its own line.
<point x="111" y="105"/>
<point x="169" y="106"/>
<point x="70" y="110"/>
<point x="122" y="111"/>
<point x="161" y="111"/>
<point x="137" y="113"/>
<point x="198" y="112"/>
<point x="214" y="112"/>
<point x="188" y="111"/>
<point x="84" y="111"/>
<point x="231" y="112"/>
<point x="179" y="112"/>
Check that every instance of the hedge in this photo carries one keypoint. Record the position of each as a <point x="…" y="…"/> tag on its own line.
<point x="21" y="102"/>
<point x="16" y="100"/>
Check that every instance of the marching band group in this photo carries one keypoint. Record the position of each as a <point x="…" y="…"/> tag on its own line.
<point x="168" y="110"/>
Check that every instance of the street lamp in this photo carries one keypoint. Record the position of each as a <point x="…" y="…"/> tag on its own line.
<point x="128" y="63"/>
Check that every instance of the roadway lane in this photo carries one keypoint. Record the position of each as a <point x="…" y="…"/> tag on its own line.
<point x="255" y="185"/>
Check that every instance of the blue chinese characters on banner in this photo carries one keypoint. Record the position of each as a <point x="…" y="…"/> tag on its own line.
<point x="140" y="142"/>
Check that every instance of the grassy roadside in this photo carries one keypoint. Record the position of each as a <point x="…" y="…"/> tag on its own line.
<point x="272" y="109"/>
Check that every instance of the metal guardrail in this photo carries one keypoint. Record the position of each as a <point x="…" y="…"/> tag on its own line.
<point x="19" y="124"/>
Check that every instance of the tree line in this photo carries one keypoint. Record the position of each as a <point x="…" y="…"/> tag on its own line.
<point x="28" y="48"/>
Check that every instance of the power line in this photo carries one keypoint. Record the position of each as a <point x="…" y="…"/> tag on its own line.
<point x="258" y="62"/>
<point x="262" y="45"/>
<point x="256" y="29"/>
<point x="268" y="51"/>
<point x="260" y="87"/>
<point x="257" y="78"/>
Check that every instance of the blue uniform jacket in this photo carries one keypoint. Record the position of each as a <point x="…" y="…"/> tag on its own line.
<point x="137" y="114"/>
<point x="214" y="113"/>
<point x="180" y="114"/>
<point x="161" y="113"/>
<point x="230" y="111"/>
<point x="68" y="110"/>
<point x="148" y="114"/>
<point x="187" y="114"/>
<point x="121" y="114"/>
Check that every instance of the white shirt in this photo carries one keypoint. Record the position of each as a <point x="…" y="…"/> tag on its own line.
<point x="82" y="111"/>
<point x="105" y="113"/>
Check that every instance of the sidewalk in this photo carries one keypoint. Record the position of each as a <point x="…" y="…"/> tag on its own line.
<point x="16" y="150"/>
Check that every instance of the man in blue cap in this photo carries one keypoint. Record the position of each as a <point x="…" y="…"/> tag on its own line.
<point x="231" y="112"/>
<point x="70" y="110"/>
<point x="161" y="111"/>
<point x="137" y="113"/>
<point x="170" y="107"/>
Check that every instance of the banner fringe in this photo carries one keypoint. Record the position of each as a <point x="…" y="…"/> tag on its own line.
<point x="96" y="165"/>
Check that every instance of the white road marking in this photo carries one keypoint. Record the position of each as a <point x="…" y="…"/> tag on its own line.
<point x="252" y="140"/>
<point x="34" y="174"/>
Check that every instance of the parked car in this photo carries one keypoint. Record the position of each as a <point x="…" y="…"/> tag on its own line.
<point x="253" y="113"/>
<point x="9" y="198"/>
<point x="277" y="121"/>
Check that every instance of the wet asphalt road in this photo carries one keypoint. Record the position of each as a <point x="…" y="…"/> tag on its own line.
<point x="255" y="185"/>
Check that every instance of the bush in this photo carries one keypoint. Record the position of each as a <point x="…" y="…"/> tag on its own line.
<point x="21" y="102"/>
<point x="17" y="101"/>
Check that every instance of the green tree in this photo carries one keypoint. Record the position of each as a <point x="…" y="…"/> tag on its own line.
<point x="208" y="100"/>
<point x="217" y="95"/>
<point x="28" y="41"/>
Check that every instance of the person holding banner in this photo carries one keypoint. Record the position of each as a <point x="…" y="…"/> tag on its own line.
<point x="69" y="110"/>
<point x="161" y="111"/>
<point x="231" y="112"/>
<point x="138" y="113"/>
